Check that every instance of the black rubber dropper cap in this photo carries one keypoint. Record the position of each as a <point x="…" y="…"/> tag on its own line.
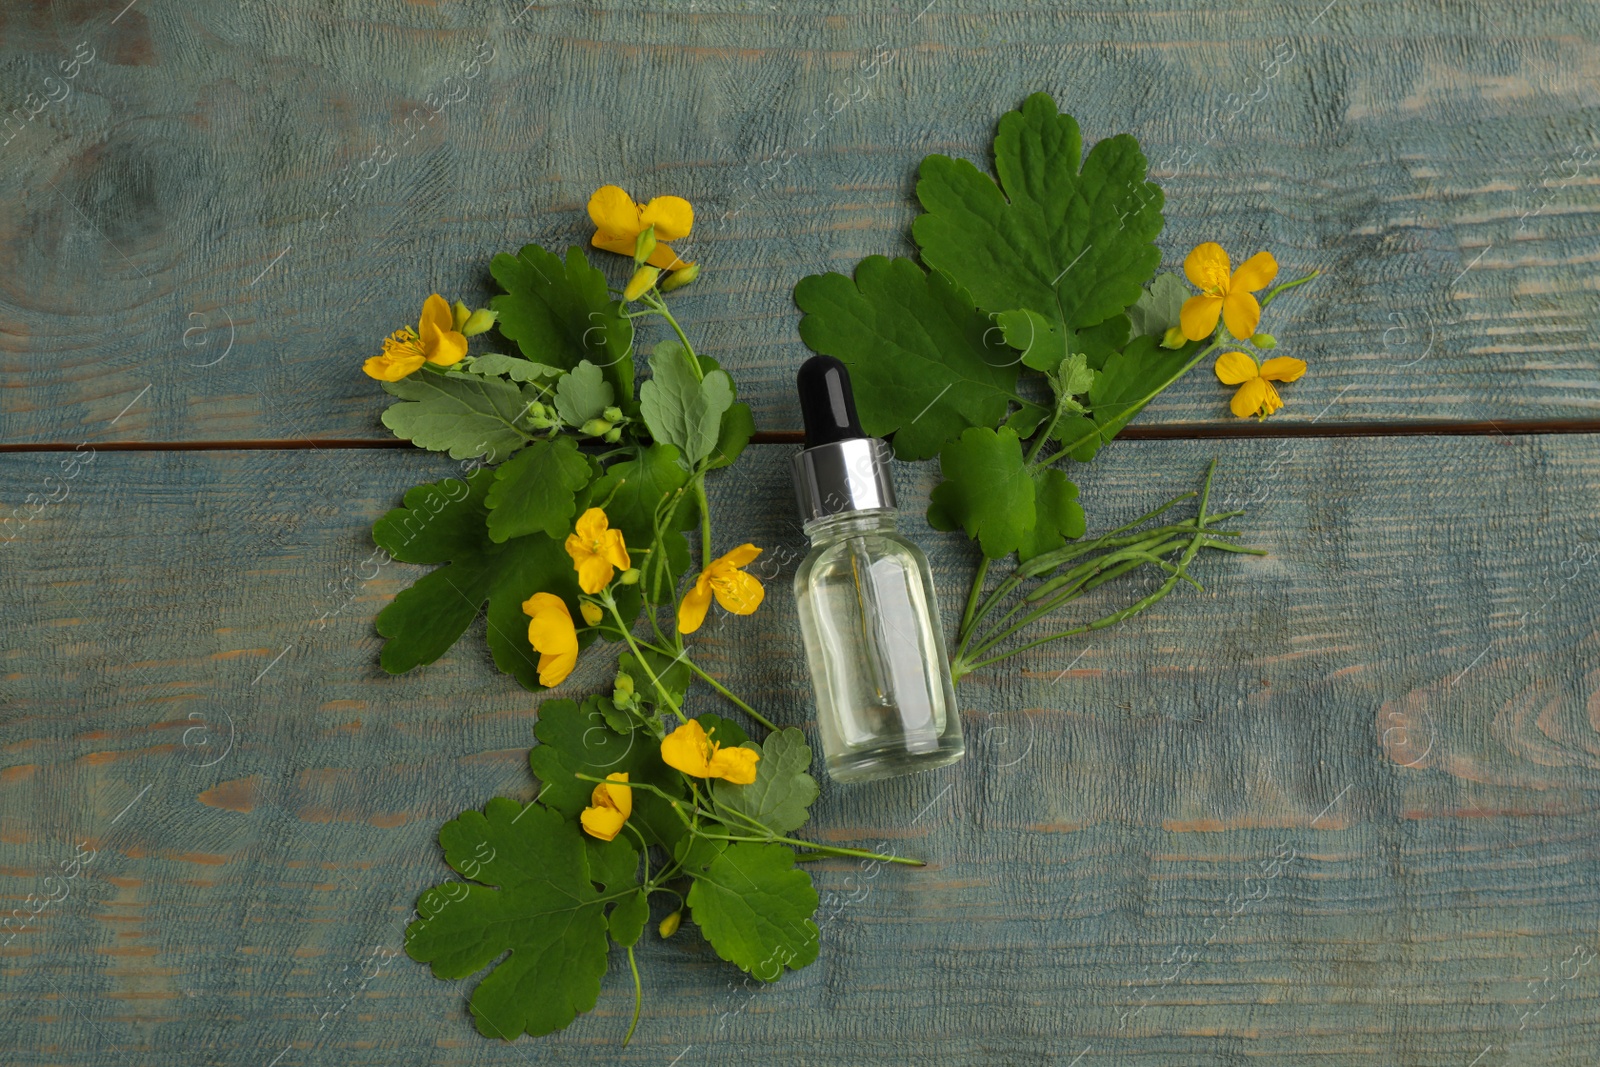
<point x="826" y="402"/>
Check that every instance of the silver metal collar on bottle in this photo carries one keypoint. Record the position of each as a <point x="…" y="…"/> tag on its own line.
<point x="850" y="475"/>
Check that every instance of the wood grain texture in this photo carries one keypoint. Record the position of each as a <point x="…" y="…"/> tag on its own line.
<point x="236" y="201"/>
<point x="1400" y="704"/>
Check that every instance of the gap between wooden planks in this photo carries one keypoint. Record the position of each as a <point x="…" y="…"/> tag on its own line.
<point x="1174" y="432"/>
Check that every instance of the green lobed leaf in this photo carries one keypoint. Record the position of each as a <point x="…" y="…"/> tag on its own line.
<point x="465" y="415"/>
<point x="1129" y="380"/>
<point x="783" y="791"/>
<point x="1158" y="307"/>
<point x="575" y="740"/>
<point x="924" y="363"/>
<point x="738" y="425"/>
<point x="1058" y="517"/>
<point x="1068" y="236"/>
<point x="634" y="488"/>
<point x="681" y="409"/>
<point x="987" y="490"/>
<point x="754" y="907"/>
<point x="627" y="919"/>
<point x="560" y="314"/>
<point x="441" y="524"/>
<point x="544" y="911"/>
<point x="536" y="490"/>
<point x="514" y="367"/>
<point x="582" y="394"/>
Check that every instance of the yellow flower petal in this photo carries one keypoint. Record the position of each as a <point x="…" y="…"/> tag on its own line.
<point x="1241" y="313"/>
<point x="1208" y="269"/>
<point x="436" y="310"/>
<point x="672" y="216"/>
<point x="1248" y="400"/>
<point x="615" y="214"/>
<point x="591" y="613"/>
<point x="738" y="592"/>
<point x="1254" y="273"/>
<point x="737" y="765"/>
<point x="1271" y="401"/>
<point x="1236" y="367"/>
<point x="443" y="347"/>
<point x="592" y="524"/>
<point x="742" y="556"/>
<point x="594" y="573"/>
<point x="1283" y="369"/>
<point x="603" y="823"/>
<point x="615" y="550"/>
<point x="551" y="633"/>
<point x="662" y="257"/>
<point x="688" y="749"/>
<point x="392" y="367"/>
<point x="696" y="602"/>
<point x="1198" y="316"/>
<point x="615" y="797"/>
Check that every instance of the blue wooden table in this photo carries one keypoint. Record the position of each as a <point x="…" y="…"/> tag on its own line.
<point x="210" y="222"/>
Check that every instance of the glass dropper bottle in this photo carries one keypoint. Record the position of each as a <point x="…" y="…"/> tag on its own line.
<point x="885" y="702"/>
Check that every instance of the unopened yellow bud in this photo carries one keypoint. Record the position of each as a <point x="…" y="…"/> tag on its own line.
<point x="642" y="279"/>
<point x="669" y="925"/>
<point x="644" y="246"/>
<point x="595" y="428"/>
<point x="1174" y="338"/>
<point x="630" y="576"/>
<point x="681" y="277"/>
<point x="479" y="322"/>
<point x="458" y="315"/>
<point x="1264" y="340"/>
<point x="591" y="613"/>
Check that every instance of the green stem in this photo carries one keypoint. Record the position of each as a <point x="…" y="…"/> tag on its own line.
<point x="972" y="603"/>
<point x="653" y="299"/>
<point x="813" y="846"/>
<point x="705" y="520"/>
<point x="1285" y="287"/>
<point x="627" y="636"/>
<point x="718" y="686"/>
<point x="638" y="997"/>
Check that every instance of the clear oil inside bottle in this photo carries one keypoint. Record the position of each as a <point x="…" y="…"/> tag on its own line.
<point x="885" y="702"/>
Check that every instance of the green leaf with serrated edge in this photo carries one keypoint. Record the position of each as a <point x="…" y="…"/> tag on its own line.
<point x="987" y="489"/>
<point x="560" y="313"/>
<point x="754" y="907"/>
<point x="466" y="415"/>
<point x="738" y="425"/>
<point x="924" y="364"/>
<point x="1131" y="379"/>
<point x="1102" y="342"/>
<point x="572" y="741"/>
<point x="536" y="490"/>
<point x="635" y="487"/>
<point x="1156" y="311"/>
<point x="1081" y="433"/>
<point x="1023" y="422"/>
<point x="444" y="524"/>
<point x="1072" y="244"/>
<point x="514" y="367"/>
<point x="1042" y="343"/>
<point x="681" y="410"/>
<point x="627" y="919"/>
<point x="724" y="732"/>
<point x="613" y="865"/>
<point x="783" y="791"/>
<point x="1058" y="516"/>
<point x="582" y="394"/>
<point x="1073" y="376"/>
<point x="544" y="911"/>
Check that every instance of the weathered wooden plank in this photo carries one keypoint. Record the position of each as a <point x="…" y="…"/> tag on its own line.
<point x="235" y="202"/>
<point x="1397" y="706"/>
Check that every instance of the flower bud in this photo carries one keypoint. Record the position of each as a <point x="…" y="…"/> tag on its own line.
<point x="595" y="428"/>
<point x="612" y="415"/>
<point x="1174" y="338"/>
<point x="642" y="279"/>
<point x="624" y="687"/>
<point x="458" y="315"/>
<point x="1264" y="340"/>
<point x="630" y="577"/>
<point x="681" y="277"/>
<point x="591" y="613"/>
<point x="612" y="436"/>
<point x="536" y="410"/>
<point x="669" y="925"/>
<point x="644" y="246"/>
<point x="478" y="322"/>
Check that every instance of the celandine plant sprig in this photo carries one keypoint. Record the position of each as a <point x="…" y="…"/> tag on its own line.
<point x="1034" y="328"/>
<point x="570" y="524"/>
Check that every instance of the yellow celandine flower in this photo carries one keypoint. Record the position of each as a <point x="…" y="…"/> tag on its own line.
<point x="619" y="221"/>
<point x="1224" y="292"/>
<point x="436" y="339"/>
<point x="553" y="636"/>
<point x="1256" y="396"/>
<point x="610" y="806"/>
<point x="735" y="590"/>
<point x="597" y="551"/>
<point x="690" y="749"/>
